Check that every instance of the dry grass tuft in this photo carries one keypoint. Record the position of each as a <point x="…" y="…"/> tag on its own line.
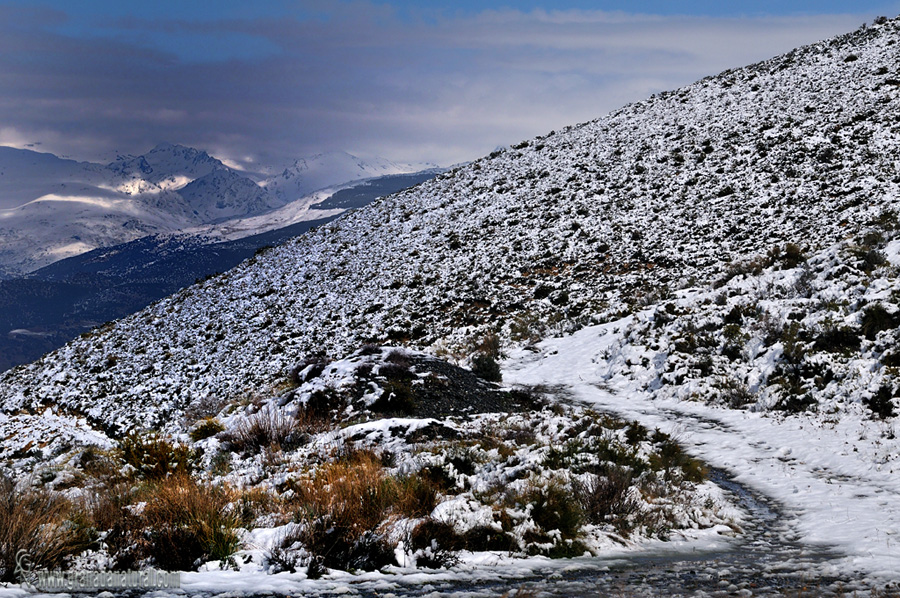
<point x="187" y="522"/>
<point x="344" y="507"/>
<point x="40" y="522"/>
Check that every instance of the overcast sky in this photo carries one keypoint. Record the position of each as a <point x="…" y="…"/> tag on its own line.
<point x="441" y="82"/>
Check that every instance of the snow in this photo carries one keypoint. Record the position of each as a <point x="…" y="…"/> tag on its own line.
<point x="843" y="492"/>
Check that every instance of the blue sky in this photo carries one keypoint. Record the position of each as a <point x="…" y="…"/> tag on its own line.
<point x="263" y="82"/>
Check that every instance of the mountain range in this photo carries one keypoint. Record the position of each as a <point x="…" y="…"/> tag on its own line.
<point x="52" y="208"/>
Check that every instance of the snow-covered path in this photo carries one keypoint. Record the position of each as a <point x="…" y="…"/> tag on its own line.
<point x="837" y="481"/>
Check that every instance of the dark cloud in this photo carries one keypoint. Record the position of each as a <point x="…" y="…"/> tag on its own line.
<point x="363" y="79"/>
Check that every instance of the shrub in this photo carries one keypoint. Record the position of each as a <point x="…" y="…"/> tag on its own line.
<point x="206" y="428"/>
<point x="269" y="427"/>
<point x="605" y="499"/>
<point x="40" y="523"/>
<point x="486" y="368"/>
<point x="881" y="402"/>
<point x="187" y="523"/>
<point x="154" y="457"/>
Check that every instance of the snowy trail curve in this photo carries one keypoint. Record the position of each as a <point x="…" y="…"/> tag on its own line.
<point x="838" y="482"/>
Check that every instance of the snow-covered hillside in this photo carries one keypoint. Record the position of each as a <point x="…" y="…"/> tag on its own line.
<point x="737" y="240"/>
<point x="578" y="226"/>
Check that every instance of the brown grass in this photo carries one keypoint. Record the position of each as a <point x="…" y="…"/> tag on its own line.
<point x="188" y="522"/>
<point x="41" y="523"/>
<point x="346" y="503"/>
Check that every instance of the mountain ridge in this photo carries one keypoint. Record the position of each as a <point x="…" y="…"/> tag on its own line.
<point x="52" y="208"/>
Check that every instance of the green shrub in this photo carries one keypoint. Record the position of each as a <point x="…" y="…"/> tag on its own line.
<point x="154" y="457"/>
<point x="486" y="368"/>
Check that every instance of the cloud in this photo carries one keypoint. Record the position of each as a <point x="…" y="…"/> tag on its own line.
<point x="357" y="76"/>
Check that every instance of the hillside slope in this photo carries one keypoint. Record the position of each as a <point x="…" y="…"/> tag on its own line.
<point x="580" y="226"/>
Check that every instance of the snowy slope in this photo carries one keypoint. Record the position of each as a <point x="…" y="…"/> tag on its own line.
<point x="313" y="173"/>
<point x="735" y="236"/>
<point x="26" y="175"/>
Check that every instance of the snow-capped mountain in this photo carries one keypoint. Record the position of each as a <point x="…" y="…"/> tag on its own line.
<point x="51" y="208"/>
<point x="168" y="166"/>
<point x="306" y="175"/>
<point x="730" y="245"/>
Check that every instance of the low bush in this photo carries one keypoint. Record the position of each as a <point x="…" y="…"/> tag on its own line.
<point x="187" y="523"/>
<point x="206" y="428"/>
<point x="154" y="457"/>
